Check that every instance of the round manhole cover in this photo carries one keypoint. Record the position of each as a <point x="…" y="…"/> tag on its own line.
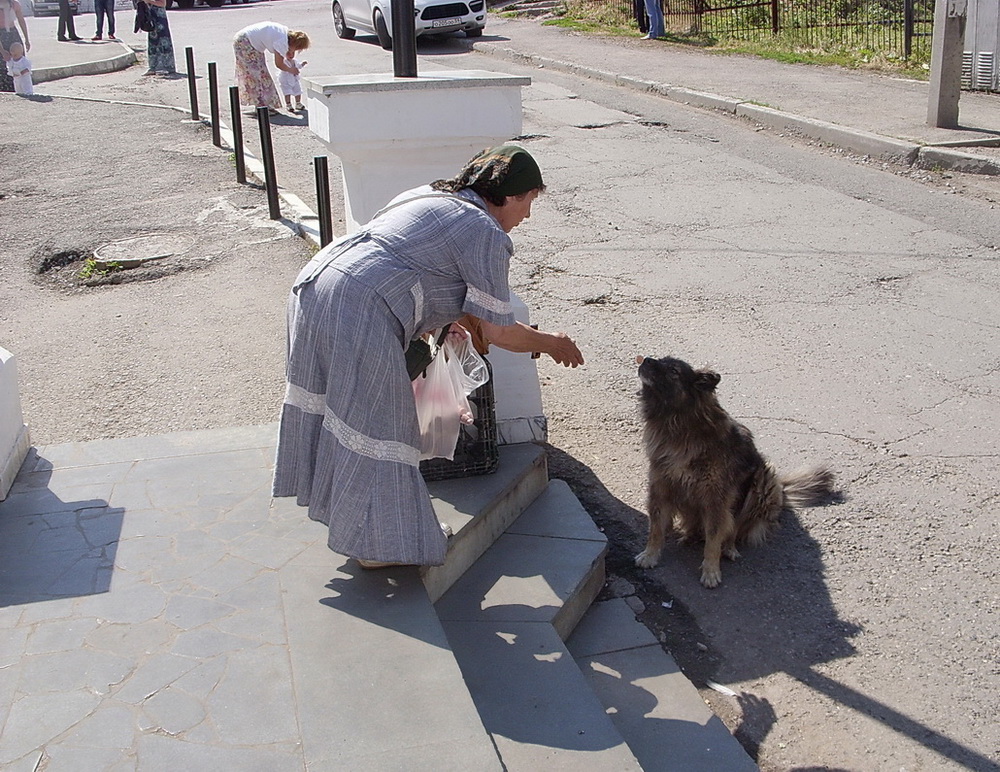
<point x="137" y="250"/>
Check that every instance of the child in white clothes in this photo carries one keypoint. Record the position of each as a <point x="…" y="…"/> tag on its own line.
<point x="290" y="85"/>
<point x="19" y="69"/>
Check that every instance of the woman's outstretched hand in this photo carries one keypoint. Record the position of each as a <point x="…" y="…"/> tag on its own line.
<point x="519" y="337"/>
<point x="563" y="349"/>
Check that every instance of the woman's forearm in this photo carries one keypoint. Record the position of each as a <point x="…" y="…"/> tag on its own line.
<point x="520" y="338"/>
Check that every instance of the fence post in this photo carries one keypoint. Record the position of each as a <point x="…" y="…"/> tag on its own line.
<point x="213" y="101"/>
<point x="234" y="107"/>
<point x="192" y="84"/>
<point x="775" y="17"/>
<point x="267" y="157"/>
<point x="323" y="200"/>
<point x="907" y="28"/>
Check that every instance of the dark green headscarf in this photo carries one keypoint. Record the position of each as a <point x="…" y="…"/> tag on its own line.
<point x="507" y="170"/>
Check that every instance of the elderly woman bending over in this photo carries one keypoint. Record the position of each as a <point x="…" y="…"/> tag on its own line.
<point x="250" y="46"/>
<point x="348" y="441"/>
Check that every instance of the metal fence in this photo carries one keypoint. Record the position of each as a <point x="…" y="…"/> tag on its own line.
<point x="899" y="28"/>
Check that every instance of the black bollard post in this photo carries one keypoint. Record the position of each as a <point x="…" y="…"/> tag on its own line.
<point x="267" y="157"/>
<point x="192" y="84"/>
<point x="213" y="101"/>
<point x="234" y="107"/>
<point x="323" y="199"/>
<point x="404" y="40"/>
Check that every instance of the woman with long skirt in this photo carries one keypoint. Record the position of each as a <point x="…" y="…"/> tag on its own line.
<point x="159" y="46"/>
<point x="250" y="46"/>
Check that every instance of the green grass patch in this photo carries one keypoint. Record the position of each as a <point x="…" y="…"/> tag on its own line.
<point x="832" y="46"/>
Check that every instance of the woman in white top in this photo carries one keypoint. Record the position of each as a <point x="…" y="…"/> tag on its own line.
<point x="250" y="46"/>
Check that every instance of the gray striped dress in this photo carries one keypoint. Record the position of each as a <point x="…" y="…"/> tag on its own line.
<point x="347" y="445"/>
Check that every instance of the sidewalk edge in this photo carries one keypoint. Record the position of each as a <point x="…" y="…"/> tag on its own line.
<point x="853" y="140"/>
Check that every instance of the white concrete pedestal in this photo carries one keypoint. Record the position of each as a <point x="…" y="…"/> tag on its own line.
<point x="392" y="134"/>
<point x="14" y="441"/>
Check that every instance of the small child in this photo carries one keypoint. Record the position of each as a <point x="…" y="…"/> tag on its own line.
<point x="290" y="85"/>
<point x="19" y="69"/>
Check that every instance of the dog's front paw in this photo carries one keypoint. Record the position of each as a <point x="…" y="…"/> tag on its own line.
<point x="647" y="558"/>
<point x="711" y="576"/>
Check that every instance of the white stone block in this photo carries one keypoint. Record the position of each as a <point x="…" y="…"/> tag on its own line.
<point x="14" y="441"/>
<point x="392" y="134"/>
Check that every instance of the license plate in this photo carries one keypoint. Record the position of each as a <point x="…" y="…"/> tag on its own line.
<point x="446" y="22"/>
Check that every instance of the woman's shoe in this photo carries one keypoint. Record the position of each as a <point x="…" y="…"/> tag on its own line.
<point x="63" y="40"/>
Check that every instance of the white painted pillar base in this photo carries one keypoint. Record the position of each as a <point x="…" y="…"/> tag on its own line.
<point x="392" y="134"/>
<point x="14" y="440"/>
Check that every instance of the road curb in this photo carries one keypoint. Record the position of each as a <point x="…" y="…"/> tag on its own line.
<point x="100" y="67"/>
<point x="853" y="140"/>
<point x="956" y="160"/>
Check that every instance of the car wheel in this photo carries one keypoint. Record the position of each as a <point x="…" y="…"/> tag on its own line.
<point x="384" y="38"/>
<point x="185" y="3"/>
<point x="340" y="24"/>
<point x="214" y="3"/>
<point x="475" y="32"/>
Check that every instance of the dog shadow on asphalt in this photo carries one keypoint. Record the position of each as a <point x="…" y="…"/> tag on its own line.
<point x="773" y="613"/>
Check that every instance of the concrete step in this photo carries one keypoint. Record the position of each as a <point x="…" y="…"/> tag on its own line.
<point x="651" y="702"/>
<point x="379" y="684"/>
<point x="535" y="8"/>
<point x="479" y="509"/>
<point x="506" y="620"/>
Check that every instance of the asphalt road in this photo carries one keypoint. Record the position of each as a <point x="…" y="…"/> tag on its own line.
<point x="851" y="312"/>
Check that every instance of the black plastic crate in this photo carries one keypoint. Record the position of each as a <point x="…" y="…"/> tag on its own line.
<point x="477" y="451"/>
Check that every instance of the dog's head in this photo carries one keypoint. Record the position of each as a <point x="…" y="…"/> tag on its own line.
<point x="674" y="386"/>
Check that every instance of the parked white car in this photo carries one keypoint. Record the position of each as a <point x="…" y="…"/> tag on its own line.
<point x="429" y="17"/>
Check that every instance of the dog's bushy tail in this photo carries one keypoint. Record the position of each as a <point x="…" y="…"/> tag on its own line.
<point x="807" y="487"/>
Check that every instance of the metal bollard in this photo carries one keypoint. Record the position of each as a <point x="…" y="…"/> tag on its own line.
<point x="267" y="157"/>
<point x="213" y="101"/>
<point x="234" y="107"/>
<point x="323" y="199"/>
<point x="192" y="84"/>
<point x="404" y="40"/>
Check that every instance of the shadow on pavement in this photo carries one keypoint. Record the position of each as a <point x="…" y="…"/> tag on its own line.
<point x="52" y="548"/>
<point x="772" y="614"/>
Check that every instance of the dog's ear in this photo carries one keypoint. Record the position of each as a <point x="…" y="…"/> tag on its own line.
<point x="706" y="380"/>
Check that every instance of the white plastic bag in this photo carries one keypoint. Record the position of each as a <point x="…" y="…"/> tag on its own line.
<point x="441" y="395"/>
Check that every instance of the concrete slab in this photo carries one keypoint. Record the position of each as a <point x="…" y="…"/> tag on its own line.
<point x="479" y="509"/>
<point x="534" y="700"/>
<point x="377" y="684"/>
<point x="160" y="611"/>
<point x="527" y="577"/>
<point x="657" y="710"/>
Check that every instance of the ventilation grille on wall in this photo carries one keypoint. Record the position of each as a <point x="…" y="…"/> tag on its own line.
<point x="979" y="70"/>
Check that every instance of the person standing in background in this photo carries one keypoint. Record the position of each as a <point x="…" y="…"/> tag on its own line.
<point x="252" y="76"/>
<point x="159" y="44"/>
<point x="105" y="8"/>
<point x="655" y="13"/>
<point x="19" y="69"/>
<point x="67" y="28"/>
<point x="11" y="17"/>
